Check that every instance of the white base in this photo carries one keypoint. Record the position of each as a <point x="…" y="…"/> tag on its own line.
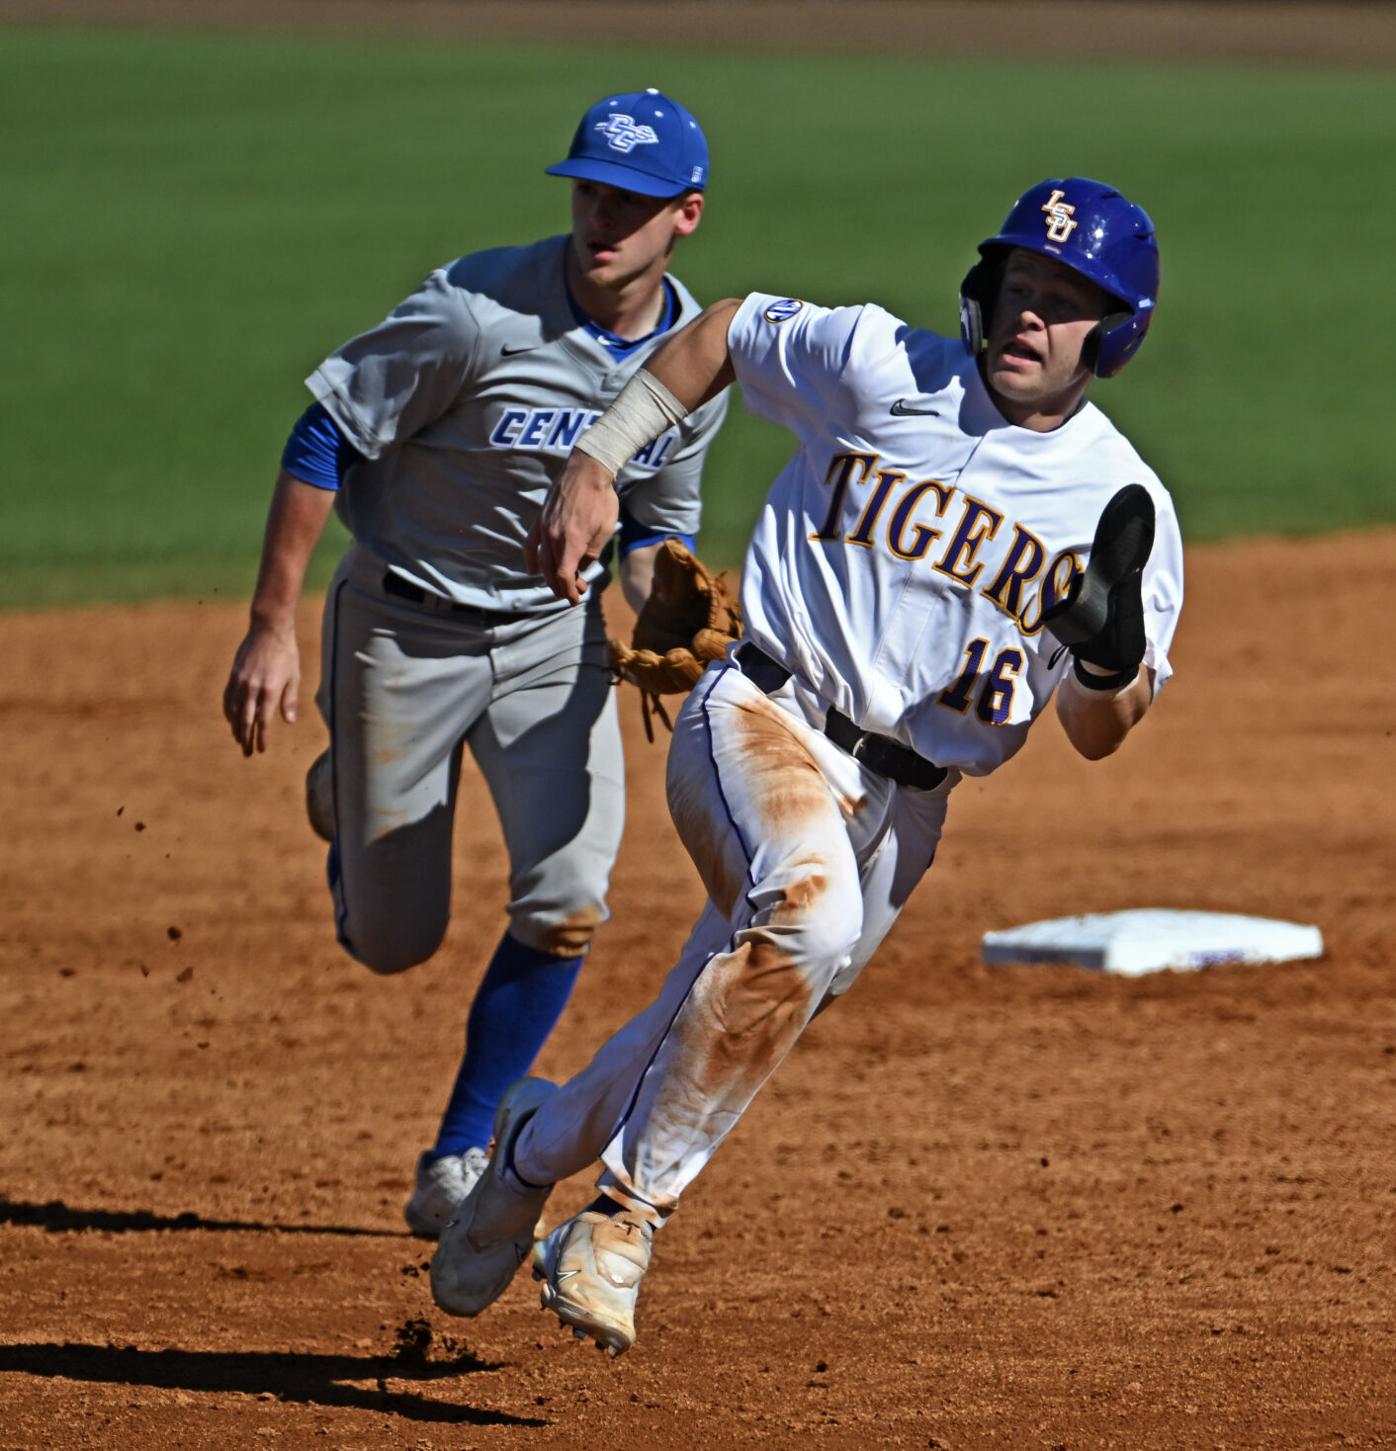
<point x="1151" y="939"/>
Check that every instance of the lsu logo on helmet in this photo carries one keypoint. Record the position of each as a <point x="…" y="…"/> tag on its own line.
<point x="1117" y="250"/>
<point x="622" y="134"/>
<point x="1060" y="225"/>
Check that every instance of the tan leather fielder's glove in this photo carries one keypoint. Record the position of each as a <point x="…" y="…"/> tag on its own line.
<point x="688" y="620"/>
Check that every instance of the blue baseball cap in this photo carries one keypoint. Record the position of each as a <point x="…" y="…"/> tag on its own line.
<point x="640" y="141"/>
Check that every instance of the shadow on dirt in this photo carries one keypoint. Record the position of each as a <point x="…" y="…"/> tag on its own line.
<point x="57" y="1217"/>
<point x="289" y="1376"/>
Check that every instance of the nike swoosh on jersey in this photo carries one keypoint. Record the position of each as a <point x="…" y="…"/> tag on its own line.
<point x="903" y="409"/>
<point x="509" y="352"/>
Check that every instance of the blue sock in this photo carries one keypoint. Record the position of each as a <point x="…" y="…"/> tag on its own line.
<point x="518" y="1003"/>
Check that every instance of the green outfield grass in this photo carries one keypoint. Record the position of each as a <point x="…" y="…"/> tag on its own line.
<point x="190" y="223"/>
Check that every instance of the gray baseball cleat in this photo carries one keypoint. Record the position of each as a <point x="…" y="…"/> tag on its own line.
<point x="591" y="1267"/>
<point x="487" y="1240"/>
<point x="440" y="1189"/>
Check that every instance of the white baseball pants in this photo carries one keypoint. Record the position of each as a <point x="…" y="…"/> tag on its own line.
<point x="807" y="857"/>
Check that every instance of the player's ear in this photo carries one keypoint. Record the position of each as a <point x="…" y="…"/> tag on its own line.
<point x="688" y="211"/>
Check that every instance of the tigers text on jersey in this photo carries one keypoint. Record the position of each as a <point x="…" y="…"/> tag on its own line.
<point x="466" y="401"/>
<point x="905" y="554"/>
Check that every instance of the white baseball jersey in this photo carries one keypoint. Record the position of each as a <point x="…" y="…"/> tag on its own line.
<point x="900" y="569"/>
<point x="466" y="402"/>
<point x="906" y="552"/>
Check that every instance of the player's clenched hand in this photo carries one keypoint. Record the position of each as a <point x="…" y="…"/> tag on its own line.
<point x="265" y="677"/>
<point x="578" y="519"/>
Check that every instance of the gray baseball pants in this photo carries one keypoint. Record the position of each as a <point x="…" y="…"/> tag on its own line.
<point x="405" y="687"/>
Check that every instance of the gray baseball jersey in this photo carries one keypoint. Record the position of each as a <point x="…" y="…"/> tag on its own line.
<point x="465" y="403"/>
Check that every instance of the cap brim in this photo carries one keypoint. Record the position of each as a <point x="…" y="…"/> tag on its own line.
<point x="627" y="178"/>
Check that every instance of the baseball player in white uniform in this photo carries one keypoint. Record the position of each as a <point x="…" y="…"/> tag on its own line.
<point x="436" y="436"/>
<point x="959" y="536"/>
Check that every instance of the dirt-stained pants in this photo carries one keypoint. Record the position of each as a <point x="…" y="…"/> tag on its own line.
<point x="808" y="857"/>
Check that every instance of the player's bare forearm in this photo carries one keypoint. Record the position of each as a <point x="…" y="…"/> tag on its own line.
<point x="637" y="575"/>
<point x="265" y="674"/>
<point x="695" y="365"/>
<point x="295" y="522"/>
<point x="580" y="512"/>
<point x="1096" y="722"/>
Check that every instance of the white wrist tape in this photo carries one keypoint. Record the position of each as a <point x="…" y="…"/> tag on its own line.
<point x="644" y="409"/>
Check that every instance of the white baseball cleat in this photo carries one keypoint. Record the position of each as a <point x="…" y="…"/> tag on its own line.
<point x="441" y="1187"/>
<point x="591" y="1268"/>
<point x="488" y="1238"/>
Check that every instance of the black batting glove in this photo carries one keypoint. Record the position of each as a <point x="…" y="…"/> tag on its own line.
<point x="1101" y="618"/>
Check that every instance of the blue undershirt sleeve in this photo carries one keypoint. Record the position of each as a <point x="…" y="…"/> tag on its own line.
<point x="317" y="452"/>
<point x="634" y="535"/>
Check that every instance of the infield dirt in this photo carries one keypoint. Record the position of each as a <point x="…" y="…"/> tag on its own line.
<point x="1018" y="1208"/>
<point x="977" y="1207"/>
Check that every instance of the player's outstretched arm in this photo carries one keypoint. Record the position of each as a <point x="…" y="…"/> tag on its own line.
<point x="266" y="669"/>
<point x="1096" y="722"/>
<point x="695" y="365"/>
<point x="580" y="512"/>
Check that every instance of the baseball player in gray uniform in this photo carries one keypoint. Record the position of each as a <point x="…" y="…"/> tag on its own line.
<point x="436" y="436"/>
<point x="960" y="538"/>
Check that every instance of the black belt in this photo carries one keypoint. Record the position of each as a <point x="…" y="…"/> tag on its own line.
<point x="882" y="754"/>
<point x="404" y="589"/>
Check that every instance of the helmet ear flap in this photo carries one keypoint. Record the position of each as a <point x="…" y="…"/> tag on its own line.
<point x="1100" y="352"/>
<point x="971" y="324"/>
<point x="978" y="293"/>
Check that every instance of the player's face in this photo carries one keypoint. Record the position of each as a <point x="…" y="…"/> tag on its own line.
<point x="620" y="236"/>
<point x="1045" y="312"/>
